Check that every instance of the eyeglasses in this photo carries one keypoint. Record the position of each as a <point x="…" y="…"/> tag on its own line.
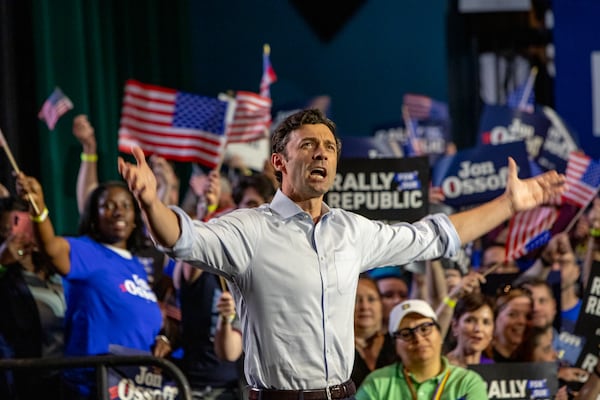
<point x="409" y="334"/>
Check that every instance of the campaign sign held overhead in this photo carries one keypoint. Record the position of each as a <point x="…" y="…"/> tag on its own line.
<point x="477" y="175"/>
<point x="432" y="136"/>
<point x="366" y="147"/>
<point x="383" y="189"/>
<point x="548" y="139"/>
<point x="502" y="124"/>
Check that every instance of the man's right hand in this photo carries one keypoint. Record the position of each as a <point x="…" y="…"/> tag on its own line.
<point x="139" y="178"/>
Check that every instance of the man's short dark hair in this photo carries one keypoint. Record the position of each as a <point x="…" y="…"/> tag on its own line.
<point x="313" y="116"/>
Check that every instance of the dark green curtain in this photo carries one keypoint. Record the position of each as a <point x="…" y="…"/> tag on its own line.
<point x="89" y="48"/>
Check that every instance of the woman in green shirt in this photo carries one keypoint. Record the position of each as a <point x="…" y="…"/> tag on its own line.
<point x="422" y="372"/>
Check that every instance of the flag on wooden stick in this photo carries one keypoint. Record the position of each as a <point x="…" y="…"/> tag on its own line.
<point x="268" y="76"/>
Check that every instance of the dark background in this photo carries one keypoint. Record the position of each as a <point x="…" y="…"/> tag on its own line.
<point x="365" y="54"/>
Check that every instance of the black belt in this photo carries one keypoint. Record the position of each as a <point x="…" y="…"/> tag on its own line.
<point x="341" y="391"/>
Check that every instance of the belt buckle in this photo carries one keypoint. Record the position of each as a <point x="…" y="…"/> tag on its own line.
<point x="328" y="392"/>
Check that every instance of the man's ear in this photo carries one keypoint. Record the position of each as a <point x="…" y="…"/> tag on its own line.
<point x="278" y="162"/>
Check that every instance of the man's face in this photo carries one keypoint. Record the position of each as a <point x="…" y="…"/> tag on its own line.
<point x="544" y="306"/>
<point x="308" y="168"/>
<point x="569" y="269"/>
<point x="421" y="349"/>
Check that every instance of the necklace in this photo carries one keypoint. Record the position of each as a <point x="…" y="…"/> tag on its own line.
<point x="437" y="395"/>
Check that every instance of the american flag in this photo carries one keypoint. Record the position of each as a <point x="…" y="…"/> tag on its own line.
<point x="268" y="76"/>
<point x="583" y="179"/>
<point x="251" y="119"/>
<point x="422" y="107"/>
<point x="529" y="230"/>
<point x="54" y="107"/>
<point x="175" y="125"/>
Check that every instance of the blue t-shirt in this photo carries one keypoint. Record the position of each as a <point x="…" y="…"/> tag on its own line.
<point x="569" y="317"/>
<point x="108" y="300"/>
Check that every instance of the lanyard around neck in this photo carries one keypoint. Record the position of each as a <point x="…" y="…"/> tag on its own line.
<point x="438" y="391"/>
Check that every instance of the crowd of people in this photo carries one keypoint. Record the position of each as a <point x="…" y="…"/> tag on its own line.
<point x="250" y="284"/>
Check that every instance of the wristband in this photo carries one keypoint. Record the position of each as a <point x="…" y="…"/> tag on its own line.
<point x="449" y="302"/>
<point x="89" y="157"/>
<point x="595" y="232"/>
<point x="212" y="208"/>
<point x="228" y="318"/>
<point x="40" y="218"/>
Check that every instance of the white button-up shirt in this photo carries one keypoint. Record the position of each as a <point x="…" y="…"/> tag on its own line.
<point x="295" y="281"/>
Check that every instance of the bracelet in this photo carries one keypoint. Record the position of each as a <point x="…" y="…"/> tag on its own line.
<point x="449" y="302"/>
<point x="89" y="157"/>
<point x="163" y="338"/>
<point x="229" y="318"/>
<point x="212" y="208"/>
<point x="40" y="218"/>
<point x="595" y="232"/>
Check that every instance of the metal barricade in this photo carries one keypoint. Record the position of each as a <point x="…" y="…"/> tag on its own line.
<point x="102" y="363"/>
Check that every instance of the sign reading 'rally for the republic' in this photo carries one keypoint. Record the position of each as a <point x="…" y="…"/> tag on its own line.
<point x="385" y="189"/>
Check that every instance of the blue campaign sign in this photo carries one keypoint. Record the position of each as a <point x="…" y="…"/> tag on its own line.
<point x="477" y="175"/>
<point x="502" y="124"/>
<point x="432" y="135"/>
<point x="559" y="143"/>
<point x="139" y="382"/>
<point x="548" y="139"/>
<point x="367" y="147"/>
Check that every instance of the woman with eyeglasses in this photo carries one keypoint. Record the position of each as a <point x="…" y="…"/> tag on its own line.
<point x="373" y="349"/>
<point x="422" y="372"/>
<point x="473" y="328"/>
<point x="514" y="308"/>
<point x="109" y="300"/>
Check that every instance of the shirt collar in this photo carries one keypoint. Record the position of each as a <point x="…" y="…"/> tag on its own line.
<point x="438" y="377"/>
<point x="285" y="207"/>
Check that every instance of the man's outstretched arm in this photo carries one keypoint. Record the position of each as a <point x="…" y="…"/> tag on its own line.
<point x="520" y="195"/>
<point x="162" y="222"/>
